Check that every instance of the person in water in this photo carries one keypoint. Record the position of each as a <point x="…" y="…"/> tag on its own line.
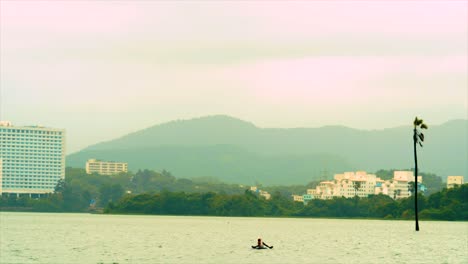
<point x="261" y="244"/>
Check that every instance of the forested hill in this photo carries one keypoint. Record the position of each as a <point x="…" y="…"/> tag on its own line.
<point x="237" y="151"/>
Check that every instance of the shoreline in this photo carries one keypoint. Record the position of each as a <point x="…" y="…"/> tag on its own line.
<point x="224" y="216"/>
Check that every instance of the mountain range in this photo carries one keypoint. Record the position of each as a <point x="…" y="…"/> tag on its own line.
<point x="236" y="151"/>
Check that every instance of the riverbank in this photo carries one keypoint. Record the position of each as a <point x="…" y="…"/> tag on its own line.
<point x="449" y="205"/>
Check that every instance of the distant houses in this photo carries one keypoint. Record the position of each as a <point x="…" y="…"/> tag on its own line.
<point x="264" y="194"/>
<point x="361" y="184"/>
<point x="452" y="181"/>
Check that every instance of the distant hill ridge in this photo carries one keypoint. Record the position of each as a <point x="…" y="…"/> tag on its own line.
<point x="237" y="151"/>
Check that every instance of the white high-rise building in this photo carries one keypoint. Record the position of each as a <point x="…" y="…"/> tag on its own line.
<point x="32" y="158"/>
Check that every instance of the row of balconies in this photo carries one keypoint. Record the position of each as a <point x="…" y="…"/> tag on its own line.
<point x="97" y="165"/>
<point x="27" y="160"/>
<point x="103" y="167"/>
<point x="49" y="179"/>
<point x="13" y="145"/>
<point x="27" y="187"/>
<point x="110" y="166"/>
<point x="36" y="157"/>
<point x="22" y="165"/>
<point x="6" y="184"/>
<point x="13" y="131"/>
<point x="30" y="139"/>
<point x="26" y="170"/>
<point x="33" y="146"/>
<point x="31" y="174"/>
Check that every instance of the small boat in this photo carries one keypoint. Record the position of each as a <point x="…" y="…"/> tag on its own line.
<point x="257" y="247"/>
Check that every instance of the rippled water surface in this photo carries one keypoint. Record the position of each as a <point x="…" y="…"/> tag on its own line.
<point x="85" y="238"/>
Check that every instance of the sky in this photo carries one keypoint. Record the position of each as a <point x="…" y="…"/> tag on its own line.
<point x="103" y="69"/>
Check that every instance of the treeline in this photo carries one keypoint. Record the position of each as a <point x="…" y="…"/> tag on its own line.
<point x="80" y="192"/>
<point x="215" y="204"/>
<point x="150" y="192"/>
<point x="449" y="204"/>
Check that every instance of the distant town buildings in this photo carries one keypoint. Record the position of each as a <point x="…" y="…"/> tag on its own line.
<point x="298" y="198"/>
<point x="105" y="167"/>
<point x="454" y="180"/>
<point x="361" y="184"/>
<point x="32" y="159"/>
<point x="264" y="194"/>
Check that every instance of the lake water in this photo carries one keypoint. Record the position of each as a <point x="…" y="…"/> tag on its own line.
<point x="87" y="238"/>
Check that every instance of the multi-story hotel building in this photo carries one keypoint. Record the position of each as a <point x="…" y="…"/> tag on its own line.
<point x="32" y="158"/>
<point x="105" y="167"/>
<point x="451" y="181"/>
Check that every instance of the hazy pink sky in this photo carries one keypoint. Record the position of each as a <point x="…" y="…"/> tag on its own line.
<point x="101" y="69"/>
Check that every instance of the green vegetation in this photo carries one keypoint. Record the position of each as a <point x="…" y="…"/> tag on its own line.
<point x="80" y="190"/>
<point x="180" y="203"/>
<point x="149" y="192"/>
<point x="449" y="204"/>
<point x="287" y="191"/>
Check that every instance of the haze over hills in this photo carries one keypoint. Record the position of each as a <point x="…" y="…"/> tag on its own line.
<point x="237" y="151"/>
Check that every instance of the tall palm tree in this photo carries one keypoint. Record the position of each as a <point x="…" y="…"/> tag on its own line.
<point x="418" y="138"/>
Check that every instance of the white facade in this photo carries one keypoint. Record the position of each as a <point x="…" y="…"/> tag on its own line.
<point x="400" y="186"/>
<point x="262" y="193"/>
<point x="298" y="198"/>
<point x="265" y="194"/>
<point x="361" y="184"/>
<point x="32" y="158"/>
<point x="451" y="181"/>
<point x="105" y="167"/>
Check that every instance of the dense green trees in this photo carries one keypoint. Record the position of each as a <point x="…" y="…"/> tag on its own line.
<point x="149" y="192"/>
<point x="180" y="203"/>
<point x="449" y="204"/>
<point x="79" y="190"/>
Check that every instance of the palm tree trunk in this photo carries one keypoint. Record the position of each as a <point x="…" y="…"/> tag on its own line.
<point x="415" y="180"/>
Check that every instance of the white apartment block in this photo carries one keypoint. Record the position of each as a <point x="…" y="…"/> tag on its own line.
<point x="451" y="181"/>
<point x="105" y="167"/>
<point x="32" y="158"/>
<point x="361" y="184"/>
